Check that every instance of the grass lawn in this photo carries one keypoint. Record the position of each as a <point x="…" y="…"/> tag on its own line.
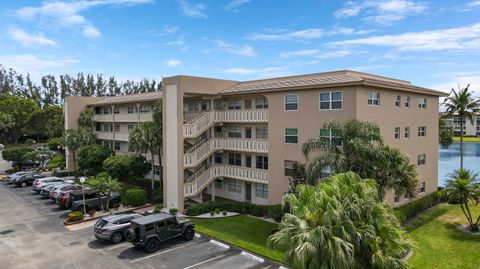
<point x="438" y="242"/>
<point x="56" y="161"/>
<point x="467" y="139"/>
<point x="243" y="231"/>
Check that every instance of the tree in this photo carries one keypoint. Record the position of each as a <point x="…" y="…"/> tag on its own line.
<point x="85" y="119"/>
<point x="111" y="186"/>
<point x="91" y="157"/>
<point x="358" y="147"/>
<point x="445" y="134"/>
<point x="17" y="155"/>
<point x="340" y="223"/>
<point x="40" y="156"/>
<point x="54" y="143"/>
<point x="463" y="104"/>
<point x="73" y="139"/>
<point x="125" y="166"/>
<point x="158" y="129"/>
<point x="298" y="177"/>
<point x="46" y="122"/>
<point x="463" y="186"/>
<point x="98" y="184"/>
<point x="18" y="110"/>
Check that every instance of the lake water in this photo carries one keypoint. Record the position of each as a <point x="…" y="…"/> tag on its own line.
<point x="449" y="159"/>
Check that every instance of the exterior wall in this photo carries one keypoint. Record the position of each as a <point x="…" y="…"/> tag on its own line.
<point x="388" y="116"/>
<point x="308" y="119"/>
<point x="236" y="196"/>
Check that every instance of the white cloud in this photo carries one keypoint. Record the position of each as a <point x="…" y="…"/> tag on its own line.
<point x="461" y="39"/>
<point x="67" y="13"/>
<point x="382" y="12"/>
<point x="173" y="63"/>
<point x="473" y="4"/>
<point x="315" y="53"/>
<point x="453" y="79"/>
<point x="304" y="35"/>
<point x="29" y="40"/>
<point x="267" y="72"/>
<point x="235" y="5"/>
<point x="179" y="43"/>
<point x="242" y="50"/>
<point x="27" y="63"/>
<point x="192" y="10"/>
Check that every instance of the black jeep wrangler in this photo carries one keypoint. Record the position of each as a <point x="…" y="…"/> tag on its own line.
<point x="147" y="232"/>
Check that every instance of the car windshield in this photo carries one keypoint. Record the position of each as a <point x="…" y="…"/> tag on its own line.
<point x="100" y="223"/>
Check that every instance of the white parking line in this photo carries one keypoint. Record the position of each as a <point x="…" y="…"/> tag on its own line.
<point x="219" y="244"/>
<point x="119" y="245"/>
<point x="209" y="260"/>
<point x="160" y="253"/>
<point x="56" y="213"/>
<point x="251" y="256"/>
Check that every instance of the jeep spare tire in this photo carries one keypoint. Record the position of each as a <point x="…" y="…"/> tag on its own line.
<point x="130" y="235"/>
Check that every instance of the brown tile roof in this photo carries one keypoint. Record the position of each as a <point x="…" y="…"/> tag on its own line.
<point x="129" y="98"/>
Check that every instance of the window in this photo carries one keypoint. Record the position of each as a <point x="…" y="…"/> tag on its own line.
<point x="218" y="184"/>
<point x="117" y="128"/>
<point x="422" y="187"/>
<point x="407" y="132"/>
<point x="421" y="159"/>
<point x="130" y="126"/>
<point x="235" y="132"/>
<point x="171" y="222"/>
<point x="107" y="127"/>
<point x="407" y="101"/>
<point x="116" y="110"/>
<point x="131" y="109"/>
<point x="248" y="132"/>
<point x="217" y="158"/>
<point x="235" y="159"/>
<point x="289" y="167"/>
<point x="422" y="103"/>
<point x="248" y="103"/>
<point x="397" y="100"/>
<point x="149" y="227"/>
<point x="396" y="199"/>
<point x="422" y="131"/>
<point x="261" y="190"/>
<point x="291" y="102"/>
<point x="261" y="132"/>
<point x="157" y="170"/>
<point x="261" y="103"/>
<point x="330" y="100"/>
<point x="106" y="110"/>
<point x="262" y="162"/>
<point x="248" y="160"/>
<point x="117" y="145"/>
<point x="291" y="135"/>
<point x="144" y="108"/>
<point x="332" y="135"/>
<point x="397" y="132"/>
<point x="234" y="105"/>
<point x="234" y="185"/>
<point x="373" y="98"/>
<point x="161" y="225"/>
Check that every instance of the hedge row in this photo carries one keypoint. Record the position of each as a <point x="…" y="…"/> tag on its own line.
<point x="68" y="173"/>
<point x="134" y="197"/>
<point x="141" y="182"/>
<point x="410" y="210"/>
<point x="268" y="211"/>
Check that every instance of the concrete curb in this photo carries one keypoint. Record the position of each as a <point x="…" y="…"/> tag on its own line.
<point x="94" y="218"/>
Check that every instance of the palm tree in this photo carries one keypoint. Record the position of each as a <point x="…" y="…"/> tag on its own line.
<point x="393" y="171"/>
<point x="445" y="134"/>
<point x="340" y="223"/>
<point x="463" y="186"/>
<point x="111" y="185"/>
<point x="73" y="139"/>
<point x="158" y="120"/>
<point x="463" y="104"/>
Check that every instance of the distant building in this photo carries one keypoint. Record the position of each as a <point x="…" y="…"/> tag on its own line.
<point x="469" y="129"/>
<point x="240" y="140"/>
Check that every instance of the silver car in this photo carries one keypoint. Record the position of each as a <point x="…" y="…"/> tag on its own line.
<point x="39" y="183"/>
<point x="11" y="178"/>
<point x="113" y="228"/>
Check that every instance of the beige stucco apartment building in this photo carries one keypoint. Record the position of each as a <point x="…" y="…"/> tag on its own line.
<point x="239" y="140"/>
<point x="469" y="128"/>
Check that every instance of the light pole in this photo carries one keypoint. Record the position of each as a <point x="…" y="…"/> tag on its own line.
<point x="82" y="180"/>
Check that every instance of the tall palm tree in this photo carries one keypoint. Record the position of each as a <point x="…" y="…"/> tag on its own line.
<point x="143" y="139"/>
<point x="394" y="171"/>
<point x="340" y="223"/>
<point x="73" y="139"/>
<point x="463" y="186"/>
<point x="463" y="104"/>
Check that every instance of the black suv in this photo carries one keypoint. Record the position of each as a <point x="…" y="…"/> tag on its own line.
<point x="147" y="232"/>
<point x="27" y="179"/>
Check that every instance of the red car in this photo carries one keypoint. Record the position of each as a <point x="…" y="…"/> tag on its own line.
<point x="62" y="199"/>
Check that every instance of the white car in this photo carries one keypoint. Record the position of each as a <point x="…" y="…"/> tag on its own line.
<point x="1" y="147"/>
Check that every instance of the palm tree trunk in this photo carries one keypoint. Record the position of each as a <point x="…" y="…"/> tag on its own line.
<point x="74" y="161"/>
<point x="461" y="141"/>
<point x="153" y="176"/>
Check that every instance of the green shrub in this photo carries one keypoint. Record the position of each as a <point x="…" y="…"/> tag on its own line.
<point x="140" y="182"/>
<point x="212" y="213"/>
<point x="68" y="173"/>
<point x="158" y="208"/>
<point x="126" y="166"/>
<point x="75" y="216"/>
<point x="91" y="157"/>
<point x="410" y="210"/>
<point x="57" y="161"/>
<point x="53" y="143"/>
<point x="269" y="211"/>
<point x="29" y="142"/>
<point x="173" y="211"/>
<point x="134" y="197"/>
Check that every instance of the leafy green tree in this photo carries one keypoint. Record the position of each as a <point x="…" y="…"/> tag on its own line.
<point x="40" y="156"/>
<point x="126" y="166"/>
<point x="54" y="143"/>
<point x="46" y="122"/>
<point x="74" y="139"/>
<point x="99" y="185"/>
<point x="463" y="186"/>
<point x="298" y="177"/>
<point x="17" y="155"/>
<point x="340" y="223"/>
<point x="111" y="186"/>
<point x="18" y="110"/>
<point x="85" y="119"/>
<point x="464" y="104"/>
<point x="445" y="134"/>
<point x="91" y="157"/>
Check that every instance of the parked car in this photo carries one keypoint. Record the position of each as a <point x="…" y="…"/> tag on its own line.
<point x="147" y="232"/>
<point x="27" y="179"/>
<point x="56" y="192"/>
<point x="11" y="178"/>
<point x="63" y="200"/>
<point x="45" y="191"/>
<point x="1" y="147"/>
<point x="112" y="228"/>
<point x="76" y="201"/>
<point x="39" y="183"/>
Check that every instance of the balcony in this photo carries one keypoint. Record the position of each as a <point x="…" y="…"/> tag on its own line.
<point x="129" y="117"/>
<point x="121" y="137"/>
<point x="104" y="135"/>
<point x="234" y="144"/>
<point x="103" y="117"/>
<point x="147" y="116"/>
<point x="196" y="186"/>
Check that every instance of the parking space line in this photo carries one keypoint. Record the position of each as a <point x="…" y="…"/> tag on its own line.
<point x="219" y="244"/>
<point x="56" y="213"/>
<point x="251" y="256"/>
<point x="119" y="245"/>
<point x="209" y="260"/>
<point x="160" y="253"/>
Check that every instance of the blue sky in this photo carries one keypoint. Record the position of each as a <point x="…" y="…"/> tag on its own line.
<point x="431" y="43"/>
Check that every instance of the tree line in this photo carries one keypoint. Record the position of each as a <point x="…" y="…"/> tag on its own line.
<point x="52" y="90"/>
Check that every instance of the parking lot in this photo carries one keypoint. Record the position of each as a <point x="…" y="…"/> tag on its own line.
<point x="32" y="235"/>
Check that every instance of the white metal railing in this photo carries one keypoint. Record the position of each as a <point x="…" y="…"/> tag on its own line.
<point x="196" y="186"/>
<point x="236" y="144"/>
<point x="128" y="117"/>
<point x="203" y="122"/>
<point x="103" y="117"/>
<point x="104" y="135"/>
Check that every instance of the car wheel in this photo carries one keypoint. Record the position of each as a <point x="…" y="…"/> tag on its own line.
<point x="117" y="237"/>
<point x="189" y="233"/>
<point x="130" y="235"/>
<point x="24" y="184"/>
<point x="152" y="245"/>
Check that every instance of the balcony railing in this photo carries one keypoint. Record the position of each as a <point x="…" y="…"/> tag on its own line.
<point x="104" y="135"/>
<point x="103" y="117"/>
<point x="196" y="186"/>
<point x="236" y="144"/>
<point x="124" y="117"/>
<point x="121" y="137"/>
<point x="129" y="117"/>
